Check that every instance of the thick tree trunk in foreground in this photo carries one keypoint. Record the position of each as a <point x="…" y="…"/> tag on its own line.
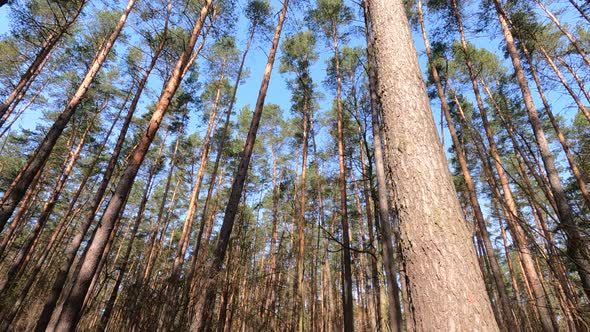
<point x="444" y="283"/>
<point x="479" y="218"/>
<point x="395" y="313"/>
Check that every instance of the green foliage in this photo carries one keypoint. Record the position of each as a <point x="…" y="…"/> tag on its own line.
<point x="10" y="62"/>
<point x="486" y="64"/>
<point x="298" y="53"/>
<point x="258" y="13"/>
<point x="328" y="16"/>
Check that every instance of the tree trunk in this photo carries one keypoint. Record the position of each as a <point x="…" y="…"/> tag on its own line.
<point x="202" y="315"/>
<point x="384" y="221"/>
<point x="445" y="285"/>
<point x="41" y="58"/>
<point x="513" y="220"/>
<point x="150" y="248"/>
<point x="347" y="300"/>
<point x="194" y="198"/>
<point x="568" y="35"/>
<point x="298" y="288"/>
<point x="476" y="208"/>
<point x="70" y="252"/>
<point x="22" y="258"/>
<point x="21" y="111"/>
<point x="562" y="140"/>
<point x="70" y="315"/>
<point x="563" y="81"/>
<point x="580" y="10"/>
<point x="21" y="183"/>
<point x="577" y="247"/>
<point x="32" y="275"/>
<point x="106" y="315"/>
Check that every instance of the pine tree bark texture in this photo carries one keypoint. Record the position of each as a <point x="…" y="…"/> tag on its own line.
<point x="446" y="291"/>
<point x="478" y="215"/>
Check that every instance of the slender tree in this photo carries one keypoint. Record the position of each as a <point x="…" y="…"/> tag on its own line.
<point x="70" y="315"/>
<point x="577" y="247"/>
<point x="23" y="180"/>
<point x="202" y="317"/>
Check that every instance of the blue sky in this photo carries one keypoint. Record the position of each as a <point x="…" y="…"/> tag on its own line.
<point x="278" y="92"/>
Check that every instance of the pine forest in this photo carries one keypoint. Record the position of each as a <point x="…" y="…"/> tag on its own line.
<point x="295" y="165"/>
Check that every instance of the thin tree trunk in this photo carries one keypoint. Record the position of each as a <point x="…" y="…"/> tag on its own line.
<point x="71" y="313"/>
<point x="513" y="222"/>
<point x="568" y="35"/>
<point x="41" y="58"/>
<point x="23" y="256"/>
<point x="576" y="246"/>
<point x="576" y="77"/>
<point x="580" y="10"/>
<point x="192" y="207"/>
<point x="298" y="287"/>
<point x="220" y="147"/>
<point x="31" y="276"/>
<point x="21" y="111"/>
<point x="70" y="252"/>
<point x="564" y="83"/>
<point x="23" y="180"/>
<point x="150" y="248"/>
<point x="202" y="315"/>
<point x="347" y="300"/>
<point x="372" y="220"/>
<point x="106" y="315"/>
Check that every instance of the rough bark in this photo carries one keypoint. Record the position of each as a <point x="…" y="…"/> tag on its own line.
<point x="384" y="221"/>
<point x="476" y="208"/>
<point x="445" y="285"/>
